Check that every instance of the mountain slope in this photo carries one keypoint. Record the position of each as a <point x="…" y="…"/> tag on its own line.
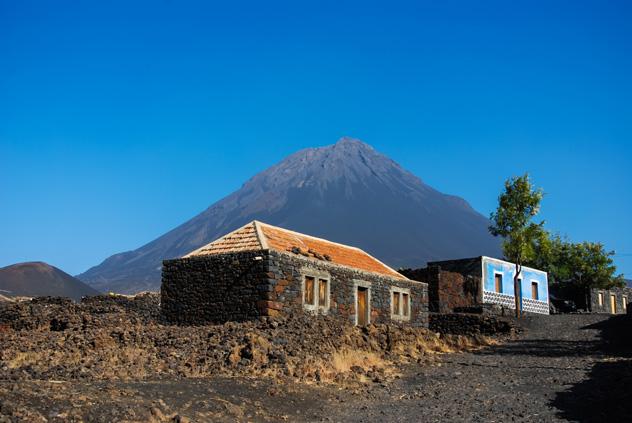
<point x="34" y="279"/>
<point x="345" y="192"/>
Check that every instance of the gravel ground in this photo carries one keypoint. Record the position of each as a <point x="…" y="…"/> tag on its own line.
<point x="561" y="368"/>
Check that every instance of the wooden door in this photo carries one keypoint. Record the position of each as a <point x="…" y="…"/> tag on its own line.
<point x="362" y="307"/>
<point x="534" y="290"/>
<point x="613" y="304"/>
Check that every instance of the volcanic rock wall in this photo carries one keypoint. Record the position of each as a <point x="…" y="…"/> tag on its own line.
<point x="447" y="290"/>
<point x="245" y="286"/>
<point x="214" y="288"/>
<point x="622" y="297"/>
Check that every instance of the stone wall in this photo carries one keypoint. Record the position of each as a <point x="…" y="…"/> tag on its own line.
<point x="220" y="288"/>
<point x="619" y="293"/>
<point x="213" y="289"/>
<point x="447" y="290"/>
<point x="469" y="266"/>
<point x="286" y="292"/>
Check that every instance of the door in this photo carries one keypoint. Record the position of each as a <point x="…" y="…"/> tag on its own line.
<point x="362" y="307"/>
<point x="613" y="304"/>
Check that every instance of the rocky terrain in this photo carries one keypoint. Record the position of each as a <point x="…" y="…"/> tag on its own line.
<point x="110" y="358"/>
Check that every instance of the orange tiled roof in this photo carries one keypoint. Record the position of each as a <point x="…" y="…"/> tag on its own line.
<point x="261" y="236"/>
<point x="243" y="239"/>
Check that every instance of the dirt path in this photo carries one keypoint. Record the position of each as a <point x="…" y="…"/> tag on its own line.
<point x="563" y="368"/>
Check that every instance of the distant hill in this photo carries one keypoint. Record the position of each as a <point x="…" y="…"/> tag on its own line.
<point x="346" y="192"/>
<point x="34" y="279"/>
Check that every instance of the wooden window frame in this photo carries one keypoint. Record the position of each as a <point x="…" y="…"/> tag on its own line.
<point x="498" y="290"/>
<point x="400" y="314"/>
<point x="317" y="277"/>
<point x="537" y="290"/>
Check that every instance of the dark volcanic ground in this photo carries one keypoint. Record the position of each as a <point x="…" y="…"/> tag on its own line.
<point x="562" y="368"/>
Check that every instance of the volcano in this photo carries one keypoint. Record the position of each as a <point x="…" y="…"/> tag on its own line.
<point x="346" y="192"/>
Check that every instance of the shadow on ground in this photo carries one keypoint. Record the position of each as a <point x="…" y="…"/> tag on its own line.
<point x="546" y="348"/>
<point x="606" y="395"/>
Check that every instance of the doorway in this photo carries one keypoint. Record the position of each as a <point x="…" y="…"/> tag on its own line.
<point x="613" y="304"/>
<point x="362" y="306"/>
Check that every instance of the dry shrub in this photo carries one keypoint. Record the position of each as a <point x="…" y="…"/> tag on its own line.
<point x="21" y="359"/>
<point x="343" y="361"/>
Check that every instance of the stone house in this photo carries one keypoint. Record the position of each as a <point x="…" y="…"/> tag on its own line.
<point x="612" y="301"/>
<point x="263" y="270"/>
<point x="455" y="285"/>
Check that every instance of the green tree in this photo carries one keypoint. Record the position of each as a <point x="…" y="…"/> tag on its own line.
<point x="518" y="204"/>
<point x="575" y="268"/>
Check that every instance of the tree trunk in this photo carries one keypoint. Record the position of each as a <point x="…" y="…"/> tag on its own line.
<point x="518" y="291"/>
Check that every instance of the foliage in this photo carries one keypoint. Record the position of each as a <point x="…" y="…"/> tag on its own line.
<point x="513" y="219"/>
<point x="583" y="265"/>
<point x="576" y="266"/>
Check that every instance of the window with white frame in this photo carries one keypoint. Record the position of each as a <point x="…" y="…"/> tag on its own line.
<point x="316" y="292"/>
<point x="400" y="303"/>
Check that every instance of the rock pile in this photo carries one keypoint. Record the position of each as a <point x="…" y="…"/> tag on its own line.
<point x="122" y="338"/>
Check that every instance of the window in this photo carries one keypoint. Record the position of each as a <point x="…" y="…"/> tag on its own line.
<point x="322" y="291"/>
<point x="309" y="290"/>
<point x="600" y="299"/>
<point x="396" y="296"/>
<point x="534" y="290"/>
<point x="625" y="304"/>
<point x="406" y="304"/>
<point x="316" y="293"/>
<point x="400" y="303"/>
<point x="498" y="282"/>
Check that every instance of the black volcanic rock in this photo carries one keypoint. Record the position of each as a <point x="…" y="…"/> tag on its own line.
<point x="346" y="192"/>
<point x="36" y="279"/>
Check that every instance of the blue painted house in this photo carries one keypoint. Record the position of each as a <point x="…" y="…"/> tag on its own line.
<point x="459" y="284"/>
<point x="498" y="286"/>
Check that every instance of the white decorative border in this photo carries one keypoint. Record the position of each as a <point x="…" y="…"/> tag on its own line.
<point x="528" y="304"/>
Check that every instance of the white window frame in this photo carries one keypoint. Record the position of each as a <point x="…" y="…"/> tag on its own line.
<point x="399" y="314"/>
<point x="600" y="298"/>
<point x="317" y="275"/>
<point x="361" y="284"/>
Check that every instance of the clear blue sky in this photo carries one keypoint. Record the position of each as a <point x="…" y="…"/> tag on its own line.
<point x="119" y="122"/>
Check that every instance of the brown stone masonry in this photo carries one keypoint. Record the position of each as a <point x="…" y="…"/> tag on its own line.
<point x="247" y="285"/>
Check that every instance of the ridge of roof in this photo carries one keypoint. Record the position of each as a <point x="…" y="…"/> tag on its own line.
<point x="252" y="236"/>
<point x="330" y="242"/>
